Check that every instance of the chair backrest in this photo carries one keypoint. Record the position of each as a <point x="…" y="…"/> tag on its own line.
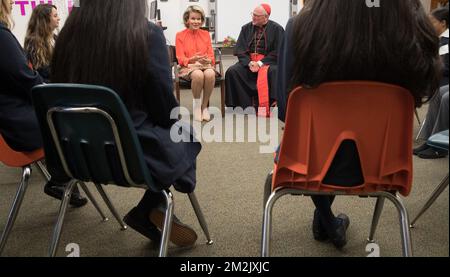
<point x="13" y="158"/>
<point x="377" y="117"/>
<point x="172" y="54"/>
<point x="88" y="135"/>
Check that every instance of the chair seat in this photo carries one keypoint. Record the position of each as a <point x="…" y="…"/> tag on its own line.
<point x="439" y="140"/>
<point x="13" y="158"/>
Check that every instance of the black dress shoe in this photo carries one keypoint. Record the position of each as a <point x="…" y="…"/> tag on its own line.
<point x="181" y="234"/>
<point x="57" y="191"/>
<point x="421" y="148"/>
<point x="432" y="153"/>
<point x="319" y="233"/>
<point x="338" y="237"/>
<point x="141" y="224"/>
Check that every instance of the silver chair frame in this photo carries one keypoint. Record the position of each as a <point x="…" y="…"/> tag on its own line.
<point x="20" y="194"/>
<point x="68" y="190"/>
<point x="439" y="189"/>
<point x="381" y="196"/>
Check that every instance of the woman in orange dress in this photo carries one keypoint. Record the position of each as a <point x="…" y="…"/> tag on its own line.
<point x="196" y="58"/>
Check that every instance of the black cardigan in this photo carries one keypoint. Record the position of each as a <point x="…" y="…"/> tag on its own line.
<point x="18" y="124"/>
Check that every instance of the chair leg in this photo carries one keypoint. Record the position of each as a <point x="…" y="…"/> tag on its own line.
<point x="111" y="206"/>
<point x="404" y="223"/>
<point x="421" y="129"/>
<point x="222" y="98"/>
<point x="417" y="116"/>
<point x="26" y="173"/>
<point x="62" y="212"/>
<point x="376" y="217"/>
<point x="177" y="89"/>
<point x="442" y="186"/>
<point x="267" y="220"/>
<point x="43" y="170"/>
<point x="93" y="201"/>
<point x="267" y="188"/>
<point x="167" y="224"/>
<point x="200" y="217"/>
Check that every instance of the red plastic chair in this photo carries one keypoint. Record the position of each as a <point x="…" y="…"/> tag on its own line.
<point x="377" y="117"/>
<point x="23" y="160"/>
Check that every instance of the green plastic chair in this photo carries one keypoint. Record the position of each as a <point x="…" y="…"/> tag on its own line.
<point x="88" y="134"/>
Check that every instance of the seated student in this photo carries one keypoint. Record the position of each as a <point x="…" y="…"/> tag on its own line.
<point x="40" y="38"/>
<point x="437" y="116"/>
<point x="18" y="123"/>
<point x="111" y="43"/>
<point x="253" y="77"/>
<point x="196" y="58"/>
<point x="387" y="49"/>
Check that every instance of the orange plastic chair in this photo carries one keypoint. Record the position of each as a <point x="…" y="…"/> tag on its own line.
<point x="23" y="160"/>
<point x="377" y="117"/>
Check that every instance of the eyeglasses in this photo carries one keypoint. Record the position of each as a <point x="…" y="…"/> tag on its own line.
<point x="257" y="15"/>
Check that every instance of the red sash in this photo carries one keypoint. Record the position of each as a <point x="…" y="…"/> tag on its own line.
<point x="263" y="86"/>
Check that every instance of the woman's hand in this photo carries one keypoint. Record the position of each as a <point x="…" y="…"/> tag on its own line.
<point x="204" y="61"/>
<point x="197" y="58"/>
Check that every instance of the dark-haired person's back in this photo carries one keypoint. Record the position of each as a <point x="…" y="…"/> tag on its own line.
<point x="345" y="40"/>
<point x="110" y="43"/>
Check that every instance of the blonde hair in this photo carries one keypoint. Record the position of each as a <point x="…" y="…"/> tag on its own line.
<point x="193" y="9"/>
<point x="5" y="13"/>
<point x="39" y="37"/>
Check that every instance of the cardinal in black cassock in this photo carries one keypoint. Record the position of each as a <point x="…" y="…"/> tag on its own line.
<point x="251" y="81"/>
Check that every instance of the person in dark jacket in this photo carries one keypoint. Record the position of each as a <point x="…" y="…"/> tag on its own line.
<point x="437" y="115"/>
<point x="324" y="43"/>
<point x="111" y="43"/>
<point x="18" y="122"/>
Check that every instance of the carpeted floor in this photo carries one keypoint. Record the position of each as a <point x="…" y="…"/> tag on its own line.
<point x="230" y="190"/>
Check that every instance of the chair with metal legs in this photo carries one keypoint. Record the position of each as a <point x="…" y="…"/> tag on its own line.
<point x="377" y="117"/>
<point x="440" y="141"/>
<point x="89" y="136"/>
<point x="26" y="160"/>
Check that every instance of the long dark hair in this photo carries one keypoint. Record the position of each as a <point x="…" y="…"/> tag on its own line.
<point x="105" y="42"/>
<point x="346" y="40"/>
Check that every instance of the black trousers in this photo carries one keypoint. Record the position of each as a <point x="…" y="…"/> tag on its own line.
<point x="240" y="85"/>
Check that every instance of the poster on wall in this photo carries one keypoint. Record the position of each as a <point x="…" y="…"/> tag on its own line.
<point x="22" y="10"/>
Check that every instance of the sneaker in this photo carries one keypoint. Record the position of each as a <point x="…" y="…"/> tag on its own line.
<point x="181" y="234"/>
<point x="339" y="238"/>
<point x="432" y="153"/>
<point x="319" y="233"/>
<point x="57" y="191"/>
<point x="421" y="148"/>
<point x="139" y="222"/>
